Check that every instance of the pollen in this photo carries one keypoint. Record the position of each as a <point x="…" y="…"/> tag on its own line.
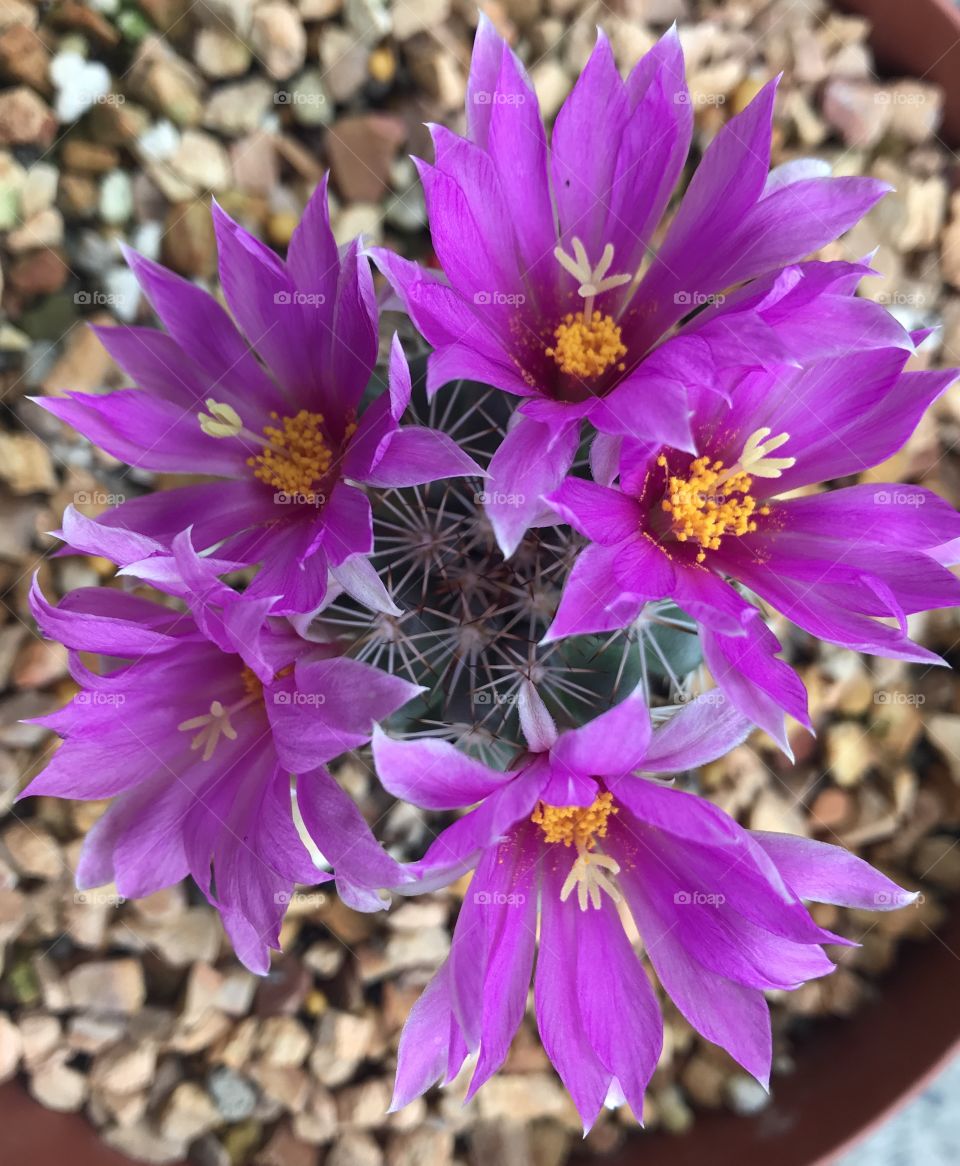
<point x="252" y="684"/>
<point x="587" y="344"/>
<point x="712" y="501"/>
<point x="578" y="826"/>
<point x="704" y="508"/>
<point x="297" y="454"/>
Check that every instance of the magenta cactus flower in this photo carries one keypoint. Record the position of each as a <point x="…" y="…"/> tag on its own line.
<point x="690" y="525"/>
<point x="549" y="288"/>
<point x="194" y="728"/>
<point x="284" y="432"/>
<point x="572" y="836"/>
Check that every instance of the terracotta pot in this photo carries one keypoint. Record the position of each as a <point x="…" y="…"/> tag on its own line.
<point x="851" y="1074"/>
<point x="918" y="38"/>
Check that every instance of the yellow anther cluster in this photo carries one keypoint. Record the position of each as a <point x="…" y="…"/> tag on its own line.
<point x="587" y="346"/>
<point x="252" y="685"/>
<point x="578" y="826"/>
<point x="297" y="456"/>
<point x="710" y="503"/>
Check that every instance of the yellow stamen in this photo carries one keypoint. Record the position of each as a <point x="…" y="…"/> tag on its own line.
<point x="296" y="455"/>
<point x="587" y="345"/>
<point x="713" y="501"/>
<point x="575" y="825"/>
<point x="222" y="420"/>
<point x="252" y="685"/>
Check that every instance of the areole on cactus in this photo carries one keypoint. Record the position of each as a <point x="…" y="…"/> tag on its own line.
<point x="539" y="614"/>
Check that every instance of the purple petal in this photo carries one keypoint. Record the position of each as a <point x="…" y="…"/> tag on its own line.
<point x="433" y="774"/>
<point x="732" y="1016"/>
<point x="329" y="706"/>
<point x="594" y="599"/>
<point x="602" y="515"/>
<point x="557" y="998"/>
<point x="496" y="934"/>
<point x="613" y="743"/>
<point x="702" y="731"/>
<point x="360" y="864"/>
<point x="531" y="462"/>
<point x="619" y="1012"/>
<point x="831" y="874"/>
<point x="148" y="432"/>
<point x="432" y="1047"/>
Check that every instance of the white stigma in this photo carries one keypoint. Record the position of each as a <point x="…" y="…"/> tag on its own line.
<point x="593" y="280"/>
<point x="212" y="726"/>
<point x="589" y="874"/>
<point x="755" y="460"/>
<point x="222" y="420"/>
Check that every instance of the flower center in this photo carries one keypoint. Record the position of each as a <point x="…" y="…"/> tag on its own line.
<point x="578" y="826"/>
<point x="296" y="455"/>
<point x="713" y="501"/>
<point x="581" y="826"/>
<point x="586" y="345"/>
